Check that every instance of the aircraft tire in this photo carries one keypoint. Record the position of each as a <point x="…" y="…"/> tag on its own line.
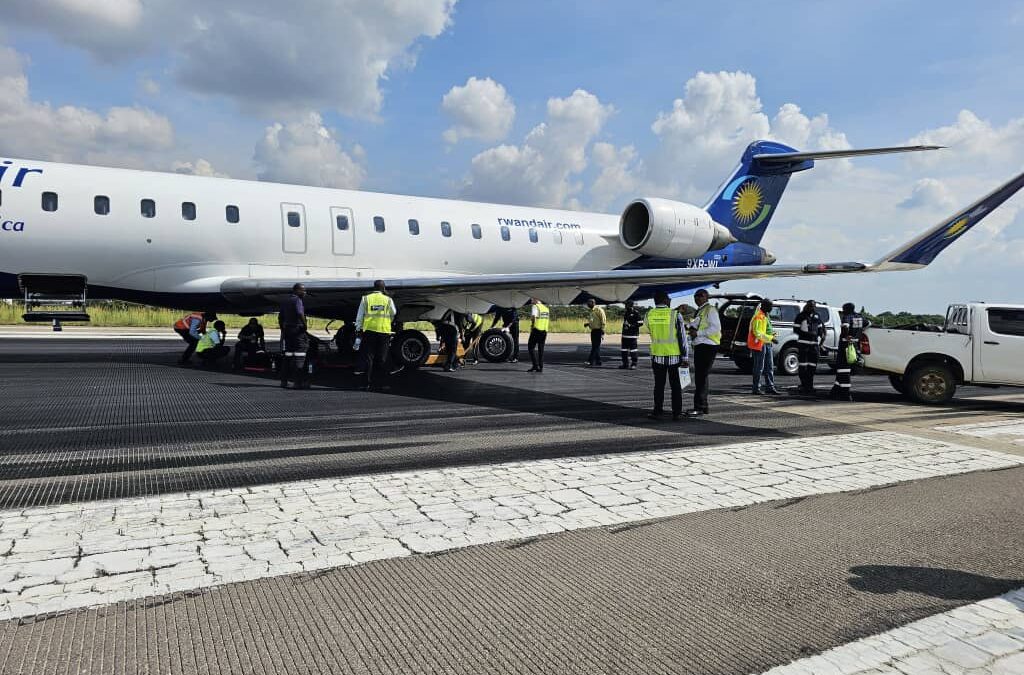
<point x="411" y="348"/>
<point x="495" y="345"/>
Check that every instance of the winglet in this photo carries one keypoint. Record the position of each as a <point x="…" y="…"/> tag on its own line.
<point x="923" y="249"/>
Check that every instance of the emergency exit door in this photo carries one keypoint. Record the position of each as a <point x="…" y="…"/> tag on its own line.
<point x="344" y="232"/>
<point x="293" y="228"/>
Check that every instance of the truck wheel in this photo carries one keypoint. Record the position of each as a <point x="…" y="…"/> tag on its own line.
<point x="410" y="348"/>
<point x="789" y="361"/>
<point x="746" y="366"/>
<point x="898" y="384"/>
<point x="931" y="383"/>
<point x="495" y="345"/>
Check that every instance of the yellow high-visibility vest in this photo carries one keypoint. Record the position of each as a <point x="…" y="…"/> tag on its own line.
<point x="702" y="323"/>
<point x="543" y="318"/>
<point x="662" y="322"/>
<point x="377" y="317"/>
<point x="206" y="342"/>
<point x="475" y="321"/>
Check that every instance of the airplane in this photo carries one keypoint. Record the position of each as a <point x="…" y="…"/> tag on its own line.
<point x="182" y="241"/>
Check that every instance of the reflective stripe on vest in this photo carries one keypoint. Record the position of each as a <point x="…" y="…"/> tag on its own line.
<point x="662" y="322"/>
<point x="377" y="317"/>
<point x="543" y="318"/>
<point x="702" y="324"/>
<point x="206" y="342"/>
<point x="185" y="322"/>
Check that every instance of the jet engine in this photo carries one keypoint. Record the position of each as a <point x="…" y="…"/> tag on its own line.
<point x="664" y="228"/>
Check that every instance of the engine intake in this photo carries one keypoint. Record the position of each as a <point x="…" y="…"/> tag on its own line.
<point x="668" y="229"/>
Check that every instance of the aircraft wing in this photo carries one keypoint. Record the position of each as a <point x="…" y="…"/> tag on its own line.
<point x="511" y="289"/>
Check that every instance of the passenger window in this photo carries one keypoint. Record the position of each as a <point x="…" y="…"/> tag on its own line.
<point x="477" y="232"/>
<point x="446" y="229"/>
<point x="188" y="210"/>
<point x="823" y="315"/>
<point x="101" y="205"/>
<point x="294" y="220"/>
<point x="1006" y="321"/>
<point x="49" y="201"/>
<point x="342" y="222"/>
<point x="148" y="207"/>
<point x="414" y="226"/>
<point x="505" y="234"/>
<point x="783" y="313"/>
<point x="232" y="214"/>
<point x="579" y="238"/>
<point x="558" y="236"/>
<point x="533" y="235"/>
<point x="378" y="224"/>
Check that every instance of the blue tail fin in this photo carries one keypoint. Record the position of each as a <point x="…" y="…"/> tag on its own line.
<point x="747" y="201"/>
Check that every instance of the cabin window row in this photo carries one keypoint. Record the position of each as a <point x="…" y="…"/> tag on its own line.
<point x="446" y="229"/>
<point x="147" y="207"/>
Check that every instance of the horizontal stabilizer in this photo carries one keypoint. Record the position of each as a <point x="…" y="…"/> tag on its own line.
<point x="788" y="157"/>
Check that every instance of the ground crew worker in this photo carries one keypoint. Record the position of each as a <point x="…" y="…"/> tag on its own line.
<point x="540" y="317"/>
<point x="250" y="341"/>
<point x="761" y="341"/>
<point x="448" y="336"/>
<point x="706" y="333"/>
<point x="852" y="325"/>
<point x="473" y="326"/>
<point x="810" y="335"/>
<point x="669" y="353"/>
<point x="373" y="329"/>
<point x="191" y="327"/>
<point x="211" y="347"/>
<point x="294" y="340"/>
<point x="632" y="320"/>
<point x="596" y="322"/>
<point x="509" y="317"/>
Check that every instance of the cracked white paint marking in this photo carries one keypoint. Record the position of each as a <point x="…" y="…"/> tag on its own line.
<point x="985" y="638"/>
<point x="1011" y="430"/>
<point x="78" y="555"/>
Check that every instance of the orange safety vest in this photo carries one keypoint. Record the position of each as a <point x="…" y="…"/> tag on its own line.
<point x="184" y="322"/>
<point x="759" y="325"/>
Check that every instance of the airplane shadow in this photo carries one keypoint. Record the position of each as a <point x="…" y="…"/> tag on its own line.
<point x="936" y="582"/>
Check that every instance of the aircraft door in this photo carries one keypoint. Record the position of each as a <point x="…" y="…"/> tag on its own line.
<point x="1000" y="345"/>
<point x="344" y="230"/>
<point x="293" y="228"/>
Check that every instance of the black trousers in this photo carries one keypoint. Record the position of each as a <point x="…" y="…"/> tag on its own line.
<point x="661" y="372"/>
<point x="449" y="336"/>
<point x="374" y="349"/>
<point x="842" y="387"/>
<point x="808" y="359"/>
<point x="295" y="345"/>
<point x="628" y="349"/>
<point x="471" y="343"/>
<point x="192" y="342"/>
<point x="210" y="356"/>
<point x="243" y="348"/>
<point x="596" y="335"/>
<point x="513" y="332"/>
<point x="535" y="345"/>
<point x="703" y="359"/>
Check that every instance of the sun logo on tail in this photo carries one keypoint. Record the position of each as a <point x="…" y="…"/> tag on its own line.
<point x="957" y="228"/>
<point x="747" y="202"/>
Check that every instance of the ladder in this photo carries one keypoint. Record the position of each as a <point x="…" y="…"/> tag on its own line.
<point x="54" y="298"/>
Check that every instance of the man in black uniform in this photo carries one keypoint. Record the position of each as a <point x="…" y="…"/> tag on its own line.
<point x="509" y="318"/>
<point x="810" y="334"/>
<point x="852" y="326"/>
<point x="448" y="335"/>
<point x="250" y="341"/>
<point x="294" y="341"/>
<point x="632" y="320"/>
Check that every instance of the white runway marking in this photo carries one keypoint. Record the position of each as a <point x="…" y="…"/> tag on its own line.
<point x="1011" y="430"/>
<point x="78" y="555"/>
<point x="986" y="638"/>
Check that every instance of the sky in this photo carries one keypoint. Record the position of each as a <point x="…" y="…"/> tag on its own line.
<point x="582" y="105"/>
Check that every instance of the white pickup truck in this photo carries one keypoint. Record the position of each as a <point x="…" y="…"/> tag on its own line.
<point x="980" y="344"/>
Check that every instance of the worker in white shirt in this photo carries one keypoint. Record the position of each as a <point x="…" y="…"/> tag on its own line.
<point x="705" y="334"/>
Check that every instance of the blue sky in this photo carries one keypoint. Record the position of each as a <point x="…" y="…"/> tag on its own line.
<point x="350" y="94"/>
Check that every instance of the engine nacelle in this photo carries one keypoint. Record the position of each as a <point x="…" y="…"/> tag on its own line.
<point x="666" y="229"/>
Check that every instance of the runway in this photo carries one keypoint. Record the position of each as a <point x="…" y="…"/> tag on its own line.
<point x="492" y="520"/>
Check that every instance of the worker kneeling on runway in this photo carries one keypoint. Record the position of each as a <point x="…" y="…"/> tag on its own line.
<point x="251" y="344"/>
<point x="211" y="347"/>
<point x="472" y="328"/>
<point x="191" y="328"/>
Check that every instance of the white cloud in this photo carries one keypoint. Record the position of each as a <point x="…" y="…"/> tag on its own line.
<point x="544" y="170"/>
<point x="306" y="152"/>
<point x="972" y="139"/>
<point x="929" y="193"/>
<point x="200" y="167"/>
<point x="617" y="178"/>
<point x="122" y="136"/>
<point x="481" y="109"/>
<point x="316" y="54"/>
